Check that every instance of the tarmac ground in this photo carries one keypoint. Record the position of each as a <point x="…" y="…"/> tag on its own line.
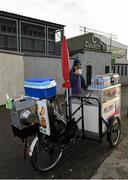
<point x="116" y="165"/>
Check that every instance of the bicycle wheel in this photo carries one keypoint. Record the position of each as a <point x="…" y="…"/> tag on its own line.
<point x="45" y="154"/>
<point x="114" y="131"/>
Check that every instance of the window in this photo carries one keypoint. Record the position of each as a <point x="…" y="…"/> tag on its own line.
<point x="27" y="44"/>
<point x="118" y="69"/>
<point x="125" y="70"/>
<point x="122" y="69"/>
<point x="30" y="33"/>
<point x="9" y="29"/>
<point x="24" y="30"/>
<point x="39" y="34"/>
<point x="107" y="69"/>
<point x="51" y="33"/>
<point x="35" y="33"/>
<point x="43" y="34"/>
<point x="3" y="28"/>
<point x="12" y="43"/>
<point x="14" y="30"/>
<point x="39" y="46"/>
<point x="51" y="47"/>
<point x="88" y="74"/>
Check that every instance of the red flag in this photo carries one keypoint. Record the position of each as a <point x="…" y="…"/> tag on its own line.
<point x="65" y="63"/>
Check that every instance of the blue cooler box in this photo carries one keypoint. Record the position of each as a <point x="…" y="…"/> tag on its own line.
<point x="40" y="88"/>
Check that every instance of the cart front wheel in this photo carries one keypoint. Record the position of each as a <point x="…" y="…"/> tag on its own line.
<point x="114" y="131"/>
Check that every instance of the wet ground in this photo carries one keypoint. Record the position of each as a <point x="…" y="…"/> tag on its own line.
<point x="80" y="161"/>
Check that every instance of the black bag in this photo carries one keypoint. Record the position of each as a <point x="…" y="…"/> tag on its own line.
<point x="28" y="131"/>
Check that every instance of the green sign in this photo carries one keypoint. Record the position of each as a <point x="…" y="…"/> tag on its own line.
<point x="94" y="43"/>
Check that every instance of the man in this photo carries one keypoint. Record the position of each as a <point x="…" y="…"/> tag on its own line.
<point x="76" y="78"/>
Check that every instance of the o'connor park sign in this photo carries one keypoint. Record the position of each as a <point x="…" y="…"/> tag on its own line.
<point x="94" y="43"/>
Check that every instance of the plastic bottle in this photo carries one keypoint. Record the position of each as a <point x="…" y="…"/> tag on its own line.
<point x="9" y="104"/>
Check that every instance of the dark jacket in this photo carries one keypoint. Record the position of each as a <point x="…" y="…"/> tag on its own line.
<point x="77" y="82"/>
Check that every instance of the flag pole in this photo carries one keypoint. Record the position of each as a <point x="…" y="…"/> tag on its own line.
<point x="65" y="72"/>
<point x="67" y="102"/>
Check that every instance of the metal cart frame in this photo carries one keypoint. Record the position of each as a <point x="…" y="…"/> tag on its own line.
<point x="100" y="119"/>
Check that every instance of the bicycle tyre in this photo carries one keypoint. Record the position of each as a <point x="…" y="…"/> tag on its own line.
<point x="114" y="128"/>
<point x="44" y="159"/>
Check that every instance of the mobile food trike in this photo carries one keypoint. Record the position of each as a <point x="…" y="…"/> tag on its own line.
<point x="92" y="115"/>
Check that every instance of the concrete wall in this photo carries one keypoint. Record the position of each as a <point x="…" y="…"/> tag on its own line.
<point x="97" y="60"/>
<point x="11" y="75"/>
<point x="44" y="67"/>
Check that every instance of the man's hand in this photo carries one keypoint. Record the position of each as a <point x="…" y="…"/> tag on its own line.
<point x="76" y="72"/>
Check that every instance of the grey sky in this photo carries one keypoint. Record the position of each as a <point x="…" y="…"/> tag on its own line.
<point x="105" y="15"/>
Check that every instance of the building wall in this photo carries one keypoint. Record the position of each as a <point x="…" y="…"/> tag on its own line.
<point x="11" y="75"/>
<point x="44" y="67"/>
<point x="97" y="60"/>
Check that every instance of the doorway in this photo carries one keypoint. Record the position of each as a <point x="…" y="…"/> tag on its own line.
<point x="107" y="69"/>
<point x="88" y="74"/>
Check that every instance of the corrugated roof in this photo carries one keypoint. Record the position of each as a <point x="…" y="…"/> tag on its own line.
<point x="29" y="19"/>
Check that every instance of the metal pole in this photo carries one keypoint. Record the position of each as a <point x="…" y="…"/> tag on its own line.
<point x="20" y="46"/>
<point x="84" y="37"/>
<point x="67" y="102"/>
<point x="82" y="112"/>
<point x="84" y="29"/>
<point x="17" y="35"/>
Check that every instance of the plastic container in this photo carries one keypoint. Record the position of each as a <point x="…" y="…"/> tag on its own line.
<point x="40" y="88"/>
